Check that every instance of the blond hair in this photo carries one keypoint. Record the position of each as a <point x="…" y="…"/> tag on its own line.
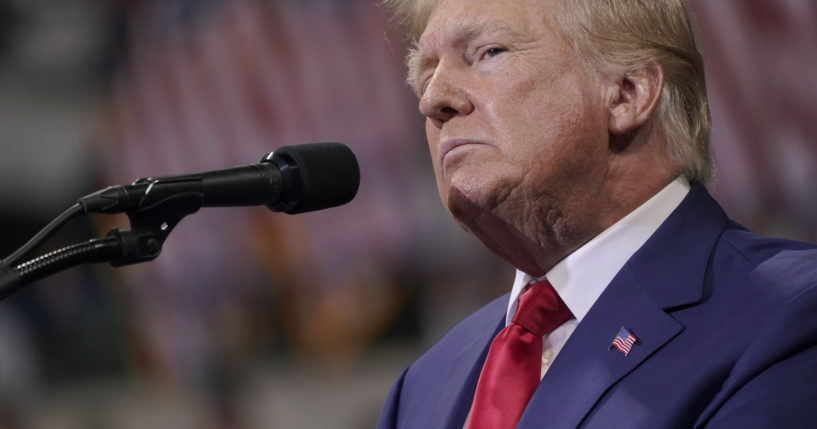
<point x="619" y="36"/>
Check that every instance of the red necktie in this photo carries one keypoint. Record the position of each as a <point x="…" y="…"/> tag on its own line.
<point x="514" y="363"/>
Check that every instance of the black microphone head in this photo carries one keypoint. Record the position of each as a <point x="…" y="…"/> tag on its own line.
<point x="316" y="176"/>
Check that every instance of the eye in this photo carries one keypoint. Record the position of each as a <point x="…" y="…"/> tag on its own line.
<point x="494" y="51"/>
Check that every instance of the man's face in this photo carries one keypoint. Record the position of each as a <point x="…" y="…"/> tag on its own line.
<point x="516" y="125"/>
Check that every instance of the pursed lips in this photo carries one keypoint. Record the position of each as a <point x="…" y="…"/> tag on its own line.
<point x="450" y="144"/>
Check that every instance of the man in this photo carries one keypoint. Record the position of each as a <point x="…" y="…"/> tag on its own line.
<point x="571" y="138"/>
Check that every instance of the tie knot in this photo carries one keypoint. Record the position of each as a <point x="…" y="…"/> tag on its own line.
<point x="540" y="309"/>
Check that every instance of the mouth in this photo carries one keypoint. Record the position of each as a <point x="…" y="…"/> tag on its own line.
<point x="450" y="144"/>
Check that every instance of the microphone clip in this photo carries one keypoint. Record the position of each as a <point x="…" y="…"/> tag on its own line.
<point x="150" y="226"/>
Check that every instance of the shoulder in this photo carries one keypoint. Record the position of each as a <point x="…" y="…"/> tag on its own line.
<point x="758" y="248"/>
<point x="782" y="268"/>
<point x="773" y="282"/>
<point x="434" y="386"/>
<point x="478" y="327"/>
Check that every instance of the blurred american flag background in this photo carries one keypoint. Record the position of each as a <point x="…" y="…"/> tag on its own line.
<point x="254" y="319"/>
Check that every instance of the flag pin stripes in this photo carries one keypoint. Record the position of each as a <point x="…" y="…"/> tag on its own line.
<point x="624" y="341"/>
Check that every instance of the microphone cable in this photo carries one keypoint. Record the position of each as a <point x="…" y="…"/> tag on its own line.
<point x="44" y="234"/>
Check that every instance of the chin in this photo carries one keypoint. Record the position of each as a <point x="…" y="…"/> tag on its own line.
<point x="461" y="206"/>
<point x="472" y="200"/>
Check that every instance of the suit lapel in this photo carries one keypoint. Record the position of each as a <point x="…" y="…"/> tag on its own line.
<point x="666" y="272"/>
<point x="460" y="380"/>
<point x="461" y="383"/>
<point x="586" y="367"/>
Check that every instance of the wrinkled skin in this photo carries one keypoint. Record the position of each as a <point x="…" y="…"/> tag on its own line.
<point x="534" y="153"/>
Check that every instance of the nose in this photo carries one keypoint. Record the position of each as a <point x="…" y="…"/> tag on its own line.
<point x="445" y="97"/>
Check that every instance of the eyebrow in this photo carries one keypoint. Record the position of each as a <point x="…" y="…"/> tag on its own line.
<point x="458" y="33"/>
<point x="414" y="63"/>
<point x="468" y="31"/>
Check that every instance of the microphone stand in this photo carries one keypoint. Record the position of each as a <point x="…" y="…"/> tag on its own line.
<point x="150" y="227"/>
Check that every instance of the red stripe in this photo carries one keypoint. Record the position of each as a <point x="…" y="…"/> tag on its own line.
<point x="723" y="76"/>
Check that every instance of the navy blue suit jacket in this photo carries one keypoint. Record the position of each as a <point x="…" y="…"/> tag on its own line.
<point x="728" y="326"/>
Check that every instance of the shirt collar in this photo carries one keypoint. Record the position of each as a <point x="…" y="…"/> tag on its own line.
<point x="582" y="276"/>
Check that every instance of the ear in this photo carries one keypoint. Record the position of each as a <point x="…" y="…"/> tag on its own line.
<point x="638" y="94"/>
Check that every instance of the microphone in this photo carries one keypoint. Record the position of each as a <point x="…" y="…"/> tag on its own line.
<point x="292" y="179"/>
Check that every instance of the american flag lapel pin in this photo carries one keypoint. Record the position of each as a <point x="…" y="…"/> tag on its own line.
<point x="624" y="341"/>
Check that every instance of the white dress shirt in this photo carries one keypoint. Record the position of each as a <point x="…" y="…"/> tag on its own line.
<point x="582" y="276"/>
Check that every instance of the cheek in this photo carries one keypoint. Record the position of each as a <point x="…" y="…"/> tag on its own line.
<point x="564" y="133"/>
<point x="433" y="139"/>
<point x="566" y="116"/>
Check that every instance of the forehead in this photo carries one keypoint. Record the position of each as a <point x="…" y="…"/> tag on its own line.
<point x="458" y="20"/>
